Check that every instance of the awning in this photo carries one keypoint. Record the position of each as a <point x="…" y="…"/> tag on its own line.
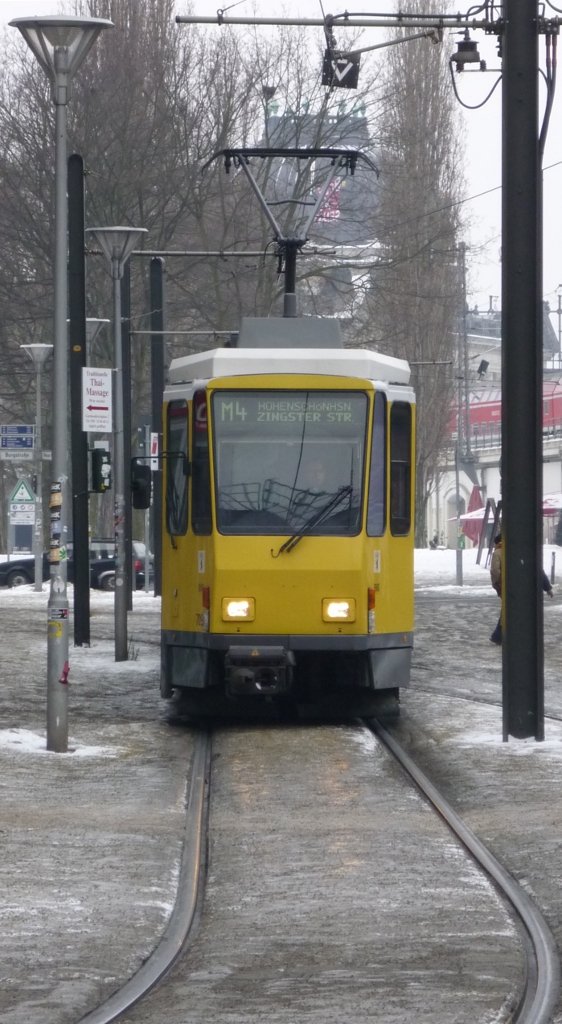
<point x="471" y="527"/>
<point x="551" y="504"/>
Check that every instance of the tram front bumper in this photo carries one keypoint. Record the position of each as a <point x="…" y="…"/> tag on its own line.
<point x="261" y="670"/>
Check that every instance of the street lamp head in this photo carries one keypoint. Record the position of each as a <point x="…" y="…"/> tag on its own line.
<point x="94" y="325"/>
<point x="38" y="352"/>
<point x="117" y="243"/>
<point x="60" y="44"/>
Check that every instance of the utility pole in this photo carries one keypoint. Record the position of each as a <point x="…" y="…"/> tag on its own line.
<point x="464" y="338"/>
<point x="523" y="649"/>
<point x="559" y="311"/>
<point x="157" y="323"/>
<point x="78" y="437"/>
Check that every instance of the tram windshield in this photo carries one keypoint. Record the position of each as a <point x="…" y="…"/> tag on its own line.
<point x="289" y="461"/>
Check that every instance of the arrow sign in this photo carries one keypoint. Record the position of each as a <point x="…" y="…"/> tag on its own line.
<point x="96" y="400"/>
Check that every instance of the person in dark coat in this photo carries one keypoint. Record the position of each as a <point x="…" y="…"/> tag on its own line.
<point x="496" y="578"/>
<point x="546" y="585"/>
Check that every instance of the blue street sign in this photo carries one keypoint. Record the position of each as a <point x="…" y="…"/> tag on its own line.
<point x="16" y="435"/>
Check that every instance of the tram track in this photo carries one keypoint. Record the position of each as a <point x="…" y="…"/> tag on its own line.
<point x="189" y="893"/>
<point x="541" y="987"/>
<point x="472" y="699"/>
<point x="532" y="1007"/>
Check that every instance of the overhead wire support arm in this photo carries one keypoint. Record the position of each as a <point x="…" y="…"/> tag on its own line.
<point x="346" y="20"/>
<point x="288" y="247"/>
<point x="340" y="159"/>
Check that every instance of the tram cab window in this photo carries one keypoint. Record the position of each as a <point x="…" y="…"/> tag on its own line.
<point x="289" y="460"/>
<point x="176" y="479"/>
<point x="377" y="478"/>
<point x="400" y="468"/>
<point x="201" y="474"/>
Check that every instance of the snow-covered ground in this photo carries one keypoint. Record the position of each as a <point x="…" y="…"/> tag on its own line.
<point x="438" y="568"/>
<point x="435" y="573"/>
<point x="86" y="833"/>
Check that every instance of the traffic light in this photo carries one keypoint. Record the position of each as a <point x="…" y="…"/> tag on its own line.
<point x="141" y="484"/>
<point x="101" y="470"/>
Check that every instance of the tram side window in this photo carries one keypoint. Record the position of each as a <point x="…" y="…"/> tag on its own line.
<point x="176" y="477"/>
<point x="201" y="475"/>
<point x="377" y="493"/>
<point x="400" y="468"/>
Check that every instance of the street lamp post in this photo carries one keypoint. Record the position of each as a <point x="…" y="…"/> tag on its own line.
<point x="117" y="244"/>
<point x="39" y="354"/>
<point x="60" y="45"/>
<point x="559" y="311"/>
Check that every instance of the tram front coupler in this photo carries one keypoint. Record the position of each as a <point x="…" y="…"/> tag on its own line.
<point x="264" y="670"/>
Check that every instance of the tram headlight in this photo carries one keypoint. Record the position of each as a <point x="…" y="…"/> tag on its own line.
<point x="338" y="609"/>
<point x="238" y="609"/>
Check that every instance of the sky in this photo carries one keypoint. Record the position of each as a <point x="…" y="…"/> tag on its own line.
<point x="482" y="137"/>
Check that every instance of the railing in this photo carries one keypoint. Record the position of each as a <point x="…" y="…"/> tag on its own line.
<point x="488" y="435"/>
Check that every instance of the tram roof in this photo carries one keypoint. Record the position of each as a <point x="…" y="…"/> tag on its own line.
<point x="235" y="362"/>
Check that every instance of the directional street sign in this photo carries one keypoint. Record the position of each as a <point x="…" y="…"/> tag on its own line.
<point x="16" y="436"/>
<point x="96" y="400"/>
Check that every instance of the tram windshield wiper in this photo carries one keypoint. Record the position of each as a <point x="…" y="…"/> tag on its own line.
<point x="315" y="519"/>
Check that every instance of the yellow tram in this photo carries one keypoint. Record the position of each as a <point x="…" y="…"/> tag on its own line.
<point x="287" y="555"/>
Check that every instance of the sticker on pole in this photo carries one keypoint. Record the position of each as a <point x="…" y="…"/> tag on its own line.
<point x="96" y="400"/>
<point x="154" y="451"/>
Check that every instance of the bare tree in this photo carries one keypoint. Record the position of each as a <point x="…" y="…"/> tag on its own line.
<point x="411" y="305"/>
<point x="150" y="106"/>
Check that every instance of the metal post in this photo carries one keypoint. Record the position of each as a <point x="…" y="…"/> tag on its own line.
<point x="78" y="437"/>
<point x="157" y="323"/>
<point x="58" y="607"/>
<point x="461" y="440"/>
<point x="60" y="45"/>
<point x="523" y="653"/>
<point x="291" y="247"/>
<point x="39" y="354"/>
<point x="559" y="311"/>
<point x="458" y="547"/>
<point x="120" y="608"/>
<point x="464" y="338"/>
<point x="127" y="453"/>
<point x="38" y="527"/>
<point x="117" y="244"/>
<point x="146" y="521"/>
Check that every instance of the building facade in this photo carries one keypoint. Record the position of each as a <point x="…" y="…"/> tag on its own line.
<point x="470" y="465"/>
